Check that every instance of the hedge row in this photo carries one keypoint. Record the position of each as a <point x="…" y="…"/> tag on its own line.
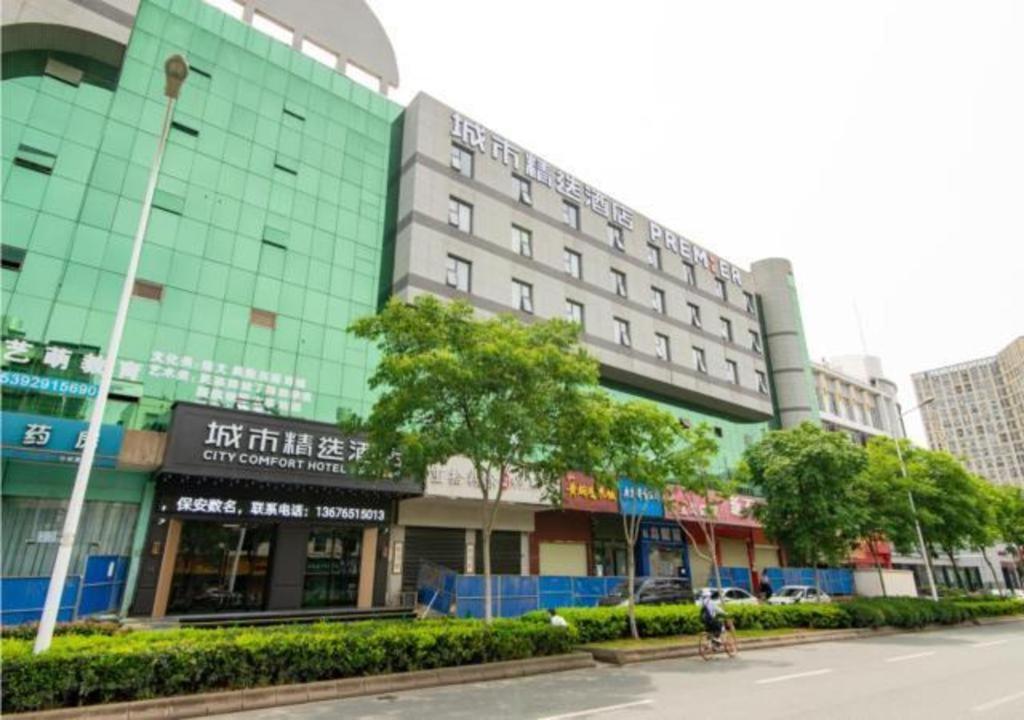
<point x="598" y="624"/>
<point x="83" y="670"/>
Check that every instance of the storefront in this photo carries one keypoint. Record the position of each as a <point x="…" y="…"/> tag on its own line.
<point x="584" y="537"/>
<point x="442" y="528"/>
<point x="256" y="513"/>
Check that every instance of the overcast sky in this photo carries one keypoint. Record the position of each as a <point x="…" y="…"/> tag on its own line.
<point x="877" y="145"/>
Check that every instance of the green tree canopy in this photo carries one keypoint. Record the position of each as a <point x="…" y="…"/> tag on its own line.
<point x="807" y="476"/>
<point x="640" y="443"/>
<point x="500" y="392"/>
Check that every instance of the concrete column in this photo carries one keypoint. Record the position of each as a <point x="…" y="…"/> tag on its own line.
<point x="395" y="565"/>
<point x="471" y="568"/>
<point x="524" y="553"/>
<point x="167" y="561"/>
<point x="367" y="565"/>
<point x="788" y="362"/>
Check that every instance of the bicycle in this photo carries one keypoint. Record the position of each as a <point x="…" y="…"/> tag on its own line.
<point x="707" y="647"/>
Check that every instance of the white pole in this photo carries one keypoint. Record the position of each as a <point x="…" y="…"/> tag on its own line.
<point x="67" y="537"/>
<point x="922" y="548"/>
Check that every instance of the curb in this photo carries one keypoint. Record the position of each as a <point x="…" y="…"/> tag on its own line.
<point x="215" y="703"/>
<point x="688" y="648"/>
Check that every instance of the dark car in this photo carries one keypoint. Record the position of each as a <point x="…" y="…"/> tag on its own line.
<point x="651" y="591"/>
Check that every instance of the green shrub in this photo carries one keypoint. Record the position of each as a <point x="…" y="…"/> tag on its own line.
<point x="28" y="631"/>
<point x="600" y="624"/>
<point x="84" y="670"/>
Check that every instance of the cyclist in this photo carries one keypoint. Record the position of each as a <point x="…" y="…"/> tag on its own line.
<point x="709" y="616"/>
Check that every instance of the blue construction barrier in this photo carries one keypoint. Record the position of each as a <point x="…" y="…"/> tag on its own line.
<point x="100" y="590"/>
<point x="834" y="581"/>
<point x="22" y="599"/>
<point x="737" y="577"/>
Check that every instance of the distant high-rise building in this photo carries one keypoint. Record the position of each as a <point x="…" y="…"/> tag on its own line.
<point x="856" y="398"/>
<point x="978" y="412"/>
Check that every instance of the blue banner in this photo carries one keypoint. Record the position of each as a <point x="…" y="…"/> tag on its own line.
<point x="48" y="385"/>
<point x="42" y="438"/>
<point x="637" y="500"/>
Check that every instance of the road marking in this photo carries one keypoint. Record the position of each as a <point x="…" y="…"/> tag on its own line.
<point x="990" y="643"/>
<point x="783" y="678"/>
<point x="594" y="711"/>
<point x="997" y="702"/>
<point x="901" y="658"/>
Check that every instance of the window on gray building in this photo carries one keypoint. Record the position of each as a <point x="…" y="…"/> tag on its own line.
<point x="522" y="296"/>
<point x="726" y="329"/>
<point x="732" y="372"/>
<point x="462" y="160"/>
<point x="654" y="256"/>
<point x="658" y="299"/>
<point x="522" y="189"/>
<point x="695" y="315"/>
<point x="571" y="214"/>
<point x="522" y="241"/>
<point x="720" y="289"/>
<point x="573" y="263"/>
<point x="661" y="347"/>
<point x="622" y="332"/>
<point x="700" y="363"/>
<point x="689" y="274"/>
<point x="750" y="304"/>
<point x="574" y="312"/>
<point x="458" y="273"/>
<point x="762" y="382"/>
<point x="619" y="282"/>
<point x="616" y="238"/>
<point x="755" y="341"/>
<point x="460" y="215"/>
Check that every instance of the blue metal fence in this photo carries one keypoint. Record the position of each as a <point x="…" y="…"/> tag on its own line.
<point x="100" y="590"/>
<point x="834" y="581"/>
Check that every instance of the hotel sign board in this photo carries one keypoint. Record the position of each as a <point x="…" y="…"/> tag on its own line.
<point x="485" y="142"/>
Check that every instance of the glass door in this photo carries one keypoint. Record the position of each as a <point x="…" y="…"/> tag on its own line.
<point x="221" y="567"/>
<point x="333" y="557"/>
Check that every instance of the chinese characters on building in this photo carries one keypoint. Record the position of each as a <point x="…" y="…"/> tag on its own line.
<point x="475" y="136"/>
<point x="244" y="444"/>
<point x="271" y="509"/>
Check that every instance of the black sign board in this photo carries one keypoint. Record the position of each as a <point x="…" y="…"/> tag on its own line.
<point x="216" y="442"/>
<point x="272" y="502"/>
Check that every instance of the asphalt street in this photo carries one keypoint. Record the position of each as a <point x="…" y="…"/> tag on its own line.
<point x="965" y="672"/>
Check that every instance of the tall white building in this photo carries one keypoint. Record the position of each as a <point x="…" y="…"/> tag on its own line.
<point x="854" y="396"/>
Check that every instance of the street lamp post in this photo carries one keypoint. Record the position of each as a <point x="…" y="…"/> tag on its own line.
<point x="922" y="547"/>
<point x="175" y="70"/>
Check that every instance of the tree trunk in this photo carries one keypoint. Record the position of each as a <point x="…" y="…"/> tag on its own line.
<point x="956" y="570"/>
<point x="713" y="550"/>
<point x="485" y="538"/>
<point x="631" y="576"/>
<point x="817" y="578"/>
<point x="995" y="577"/>
<point x="878" y="567"/>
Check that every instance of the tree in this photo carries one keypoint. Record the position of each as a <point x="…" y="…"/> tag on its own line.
<point x="497" y="391"/>
<point x="951" y="504"/>
<point x="807" y="476"/>
<point x="1009" y="522"/>
<point x="698" y="499"/>
<point x="638" y="449"/>
<point x="881" y="490"/>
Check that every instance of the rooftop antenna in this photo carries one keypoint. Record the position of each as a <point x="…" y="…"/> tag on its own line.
<point x="860" y="329"/>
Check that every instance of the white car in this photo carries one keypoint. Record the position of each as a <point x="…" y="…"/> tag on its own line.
<point x="792" y="594"/>
<point x="732" y="595"/>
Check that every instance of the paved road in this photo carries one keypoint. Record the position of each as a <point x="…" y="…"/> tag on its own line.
<point x="975" y="672"/>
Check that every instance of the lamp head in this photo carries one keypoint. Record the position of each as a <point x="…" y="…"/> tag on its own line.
<point x="175" y="70"/>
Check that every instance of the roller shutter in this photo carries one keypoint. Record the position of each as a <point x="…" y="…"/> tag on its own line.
<point x="563" y="558"/>
<point x="700" y="566"/>
<point x="506" y="553"/>
<point x="734" y="552"/>
<point x="442" y="546"/>
<point x="765" y="556"/>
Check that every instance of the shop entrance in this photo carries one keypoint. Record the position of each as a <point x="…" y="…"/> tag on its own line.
<point x="332" y="567"/>
<point x="221" y="567"/>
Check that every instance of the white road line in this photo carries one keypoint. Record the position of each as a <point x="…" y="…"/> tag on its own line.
<point x="594" y="711"/>
<point x="901" y="658"/>
<point x="997" y="702"/>
<point x="783" y="678"/>
<point x="990" y="643"/>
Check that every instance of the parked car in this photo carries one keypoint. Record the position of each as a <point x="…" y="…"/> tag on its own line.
<point x="731" y="596"/>
<point x="1007" y="593"/>
<point x="792" y="594"/>
<point x="650" y="591"/>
